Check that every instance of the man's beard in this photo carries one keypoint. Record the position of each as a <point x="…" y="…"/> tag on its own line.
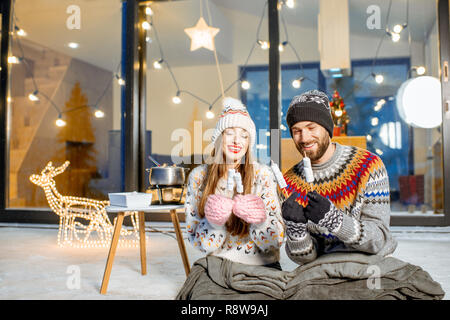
<point x="322" y="145"/>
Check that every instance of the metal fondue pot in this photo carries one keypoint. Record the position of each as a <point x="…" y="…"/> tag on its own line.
<point x="167" y="176"/>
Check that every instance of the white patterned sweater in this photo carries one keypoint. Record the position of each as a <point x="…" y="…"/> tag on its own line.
<point x="261" y="246"/>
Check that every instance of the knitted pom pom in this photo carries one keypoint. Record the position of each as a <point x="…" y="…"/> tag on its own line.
<point x="250" y="208"/>
<point x="218" y="209"/>
<point x="232" y="103"/>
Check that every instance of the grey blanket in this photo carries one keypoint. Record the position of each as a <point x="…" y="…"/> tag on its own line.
<point x="332" y="276"/>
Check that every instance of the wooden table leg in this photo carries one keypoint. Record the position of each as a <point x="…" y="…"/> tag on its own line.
<point x="176" y="225"/>
<point x="142" y="243"/>
<point x="112" y="252"/>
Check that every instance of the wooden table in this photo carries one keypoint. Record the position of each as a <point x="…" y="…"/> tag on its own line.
<point x="121" y="212"/>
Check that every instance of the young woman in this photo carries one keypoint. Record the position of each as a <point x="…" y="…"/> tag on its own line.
<point x="243" y="227"/>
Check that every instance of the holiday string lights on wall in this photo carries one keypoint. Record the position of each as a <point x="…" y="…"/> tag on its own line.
<point x="34" y="96"/>
<point x="83" y="222"/>
<point x="244" y="83"/>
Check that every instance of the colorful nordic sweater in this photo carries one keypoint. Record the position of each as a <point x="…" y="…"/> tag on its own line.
<point x="357" y="184"/>
<point x="261" y="246"/>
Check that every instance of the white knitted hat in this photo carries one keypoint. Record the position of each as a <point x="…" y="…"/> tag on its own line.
<point x="235" y="114"/>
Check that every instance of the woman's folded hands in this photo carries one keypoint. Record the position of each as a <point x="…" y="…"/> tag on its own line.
<point x="248" y="207"/>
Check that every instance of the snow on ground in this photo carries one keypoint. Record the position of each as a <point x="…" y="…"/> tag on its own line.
<point x="32" y="266"/>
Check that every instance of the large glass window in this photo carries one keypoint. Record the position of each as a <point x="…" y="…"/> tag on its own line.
<point x="64" y="99"/>
<point x="411" y="151"/>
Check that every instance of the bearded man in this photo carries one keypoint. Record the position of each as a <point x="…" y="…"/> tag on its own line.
<point x="347" y="207"/>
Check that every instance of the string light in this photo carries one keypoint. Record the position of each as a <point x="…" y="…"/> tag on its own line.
<point x="282" y="45"/>
<point x="263" y="44"/>
<point x="176" y="99"/>
<point x="397" y="28"/>
<point x="33" y="96"/>
<point x="13" y="60"/>
<point x="73" y="45"/>
<point x="146" y="25"/>
<point x="158" y="64"/>
<point x="245" y="85"/>
<point x="20" y="32"/>
<point x="60" y="122"/>
<point x="99" y="114"/>
<point x="148" y="11"/>
<point x="379" y="105"/>
<point x="290" y="4"/>
<point x="209" y="114"/>
<point x="394" y="36"/>
<point x="378" y="78"/>
<point x="297" y="83"/>
<point x="120" y="81"/>
<point x="420" y="70"/>
<point x="71" y="210"/>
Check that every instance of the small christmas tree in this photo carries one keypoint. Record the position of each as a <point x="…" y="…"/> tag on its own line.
<point x="339" y="114"/>
<point x="77" y="144"/>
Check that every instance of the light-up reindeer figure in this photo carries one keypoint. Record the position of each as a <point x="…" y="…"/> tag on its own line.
<point x="92" y="212"/>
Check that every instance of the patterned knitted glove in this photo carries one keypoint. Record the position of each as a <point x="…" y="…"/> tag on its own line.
<point x="250" y="208"/>
<point x="321" y="211"/>
<point x="292" y="210"/>
<point x="218" y="209"/>
<point x="294" y="218"/>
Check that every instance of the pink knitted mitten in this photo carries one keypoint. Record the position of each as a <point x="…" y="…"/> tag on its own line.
<point x="249" y="208"/>
<point x="218" y="209"/>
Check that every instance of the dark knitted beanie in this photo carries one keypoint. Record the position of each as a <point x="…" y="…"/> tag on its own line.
<point x="312" y="106"/>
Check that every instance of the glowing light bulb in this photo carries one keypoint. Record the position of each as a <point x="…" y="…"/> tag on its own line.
<point x="33" y="96"/>
<point x="296" y="83"/>
<point x="99" y="114"/>
<point x="60" y="122"/>
<point x="157" y="64"/>
<point x="146" y="25"/>
<point x="395" y="37"/>
<point x="148" y="11"/>
<point x="73" y="45"/>
<point x="379" y="78"/>
<point x="13" y="60"/>
<point x="245" y="85"/>
<point x="421" y="70"/>
<point x="338" y="113"/>
<point x="280" y="47"/>
<point x="21" y="32"/>
<point x="121" y="82"/>
<point x="264" y="45"/>
<point x="176" y="99"/>
<point x="397" y="28"/>
<point x="209" y="114"/>
<point x="290" y="4"/>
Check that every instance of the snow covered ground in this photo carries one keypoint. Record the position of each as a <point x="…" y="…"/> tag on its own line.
<point x="32" y="266"/>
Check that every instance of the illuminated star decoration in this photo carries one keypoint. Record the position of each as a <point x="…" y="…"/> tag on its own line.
<point x="202" y="35"/>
